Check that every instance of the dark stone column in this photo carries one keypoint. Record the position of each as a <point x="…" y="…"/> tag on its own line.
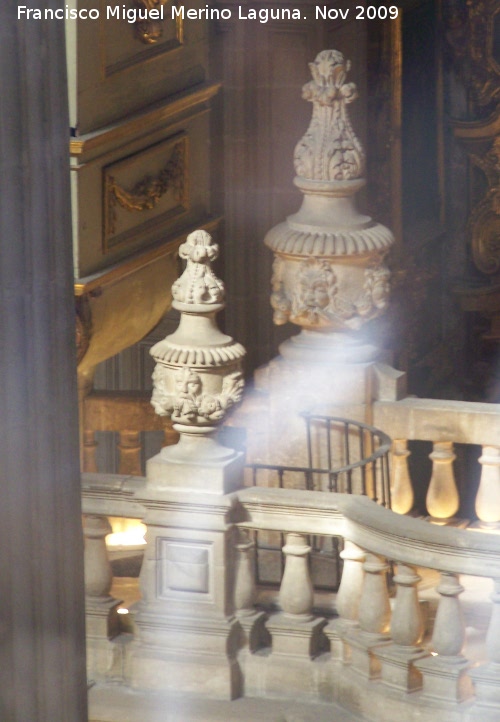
<point x="42" y="653"/>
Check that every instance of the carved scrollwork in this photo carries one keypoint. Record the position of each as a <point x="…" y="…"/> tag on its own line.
<point x="190" y="404"/>
<point x="330" y="150"/>
<point x="484" y="222"/>
<point x="147" y="192"/>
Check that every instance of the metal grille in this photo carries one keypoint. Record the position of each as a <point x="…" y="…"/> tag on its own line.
<point x="342" y="456"/>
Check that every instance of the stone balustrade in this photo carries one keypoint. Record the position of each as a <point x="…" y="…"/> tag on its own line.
<point x="371" y="639"/>
<point x="444" y="423"/>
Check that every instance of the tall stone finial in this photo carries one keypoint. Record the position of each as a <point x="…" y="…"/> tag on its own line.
<point x="198" y="375"/>
<point x="328" y="273"/>
<point x="330" y="150"/>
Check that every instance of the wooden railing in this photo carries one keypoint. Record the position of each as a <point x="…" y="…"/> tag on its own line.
<point x="366" y="638"/>
<point x="129" y="414"/>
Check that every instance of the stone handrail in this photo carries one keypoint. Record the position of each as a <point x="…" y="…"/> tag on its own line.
<point x="371" y="526"/>
<point x="464" y="422"/>
<point x="445" y="423"/>
<point x="112" y="495"/>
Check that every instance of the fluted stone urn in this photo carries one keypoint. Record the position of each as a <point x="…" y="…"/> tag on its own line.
<point x="198" y="374"/>
<point x="329" y="275"/>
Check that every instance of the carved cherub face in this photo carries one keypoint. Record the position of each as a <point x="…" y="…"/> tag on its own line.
<point x="188" y="384"/>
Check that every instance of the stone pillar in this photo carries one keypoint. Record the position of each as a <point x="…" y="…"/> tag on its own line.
<point x="401" y="487"/>
<point x="245" y="593"/>
<point x="486" y="677"/>
<point x="188" y="633"/>
<point x="374" y="619"/>
<point x="347" y="602"/>
<point x="442" y="498"/>
<point x="444" y="673"/>
<point x="488" y="494"/>
<point x="296" y="633"/>
<point x="407" y="630"/>
<point x="102" y="622"/>
<point x="42" y="648"/>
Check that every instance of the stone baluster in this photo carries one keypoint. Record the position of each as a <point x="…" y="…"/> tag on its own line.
<point x="98" y="575"/>
<point x="444" y="673"/>
<point x="130" y="448"/>
<point x="486" y="677"/>
<point x="89" y="451"/>
<point x="488" y="494"/>
<point x="374" y="618"/>
<point x="442" y="499"/>
<point x="102" y="620"/>
<point x="255" y="635"/>
<point x="296" y="633"/>
<point x="401" y="487"/>
<point x="407" y="629"/>
<point x="296" y="591"/>
<point x="347" y="601"/>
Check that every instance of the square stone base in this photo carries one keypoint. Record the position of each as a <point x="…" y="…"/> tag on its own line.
<point x="206" y="675"/>
<point x="445" y="679"/>
<point x="364" y="648"/>
<point x="398" y="670"/>
<point x="294" y="636"/>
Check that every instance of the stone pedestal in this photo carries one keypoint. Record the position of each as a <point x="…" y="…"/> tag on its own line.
<point x="364" y="648"/>
<point x="398" y="667"/>
<point x="445" y="679"/>
<point x="188" y="634"/>
<point x="486" y="679"/>
<point x="336" y="631"/>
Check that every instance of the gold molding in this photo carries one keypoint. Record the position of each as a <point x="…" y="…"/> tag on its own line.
<point x="147" y="192"/>
<point x="143" y="123"/>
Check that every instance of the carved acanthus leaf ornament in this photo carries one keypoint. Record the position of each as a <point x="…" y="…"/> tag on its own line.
<point x="328" y="272"/>
<point x="330" y="149"/>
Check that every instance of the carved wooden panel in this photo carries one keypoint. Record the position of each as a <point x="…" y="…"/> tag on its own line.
<point x="145" y="190"/>
<point x="117" y="66"/>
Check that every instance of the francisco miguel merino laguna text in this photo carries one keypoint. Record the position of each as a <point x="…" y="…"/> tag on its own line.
<point x="132" y="15"/>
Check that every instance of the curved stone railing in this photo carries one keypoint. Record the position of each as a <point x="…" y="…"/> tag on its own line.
<point x="444" y="423"/>
<point x="377" y="655"/>
<point x="371" y="653"/>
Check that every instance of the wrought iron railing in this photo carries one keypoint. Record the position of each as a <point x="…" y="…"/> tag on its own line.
<point x="343" y="455"/>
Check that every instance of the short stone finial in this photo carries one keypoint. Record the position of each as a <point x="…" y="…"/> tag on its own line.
<point x="198" y="283"/>
<point x="330" y="150"/>
<point x="198" y="374"/>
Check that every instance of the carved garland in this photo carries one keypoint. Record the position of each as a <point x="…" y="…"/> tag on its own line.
<point x="190" y="404"/>
<point x="148" y="191"/>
